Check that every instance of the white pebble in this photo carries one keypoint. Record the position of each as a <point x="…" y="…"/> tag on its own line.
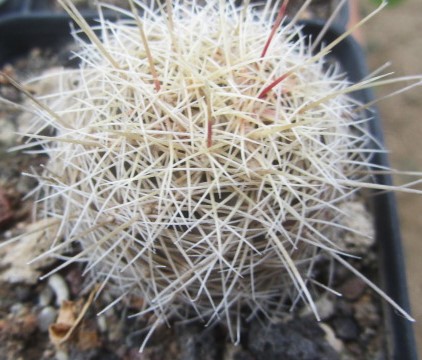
<point x="46" y="317"/>
<point x="45" y="297"/>
<point x="331" y="338"/>
<point x="324" y="306"/>
<point x="17" y="309"/>
<point x="62" y="355"/>
<point x="59" y="287"/>
<point x="102" y="323"/>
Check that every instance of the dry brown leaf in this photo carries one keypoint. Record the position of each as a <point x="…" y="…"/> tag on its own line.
<point x="68" y="322"/>
<point x="60" y="331"/>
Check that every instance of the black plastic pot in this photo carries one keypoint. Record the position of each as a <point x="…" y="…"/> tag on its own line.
<point x="24" y="26"/>
<point x="401" y="344"/>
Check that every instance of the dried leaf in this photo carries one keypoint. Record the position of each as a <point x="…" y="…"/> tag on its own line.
<point x="61" y="330"/>
<point x="68" y="322"/>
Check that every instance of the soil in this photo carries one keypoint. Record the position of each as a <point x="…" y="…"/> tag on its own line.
<point x="351" y="328"/>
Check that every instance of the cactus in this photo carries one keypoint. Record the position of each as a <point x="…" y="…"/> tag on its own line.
<point x="200" y="159"/>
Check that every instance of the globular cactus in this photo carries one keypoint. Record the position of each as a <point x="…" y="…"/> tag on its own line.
<point x="201" y="158"/>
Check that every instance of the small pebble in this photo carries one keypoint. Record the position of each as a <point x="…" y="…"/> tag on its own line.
<point x="353" y="288"/>
<point x="17" y="309"/>
<point x="62" y="355"/>
<point x="46" y="317"/>
<point x="102" y="323"/>
<point x="366" y="313"/>
<point x="59" y="287"/>
<point x="331" y="338"/>
<point x="345" y="328"/>
<point x="45" y="297"/>
<point x="324" y="306"/>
